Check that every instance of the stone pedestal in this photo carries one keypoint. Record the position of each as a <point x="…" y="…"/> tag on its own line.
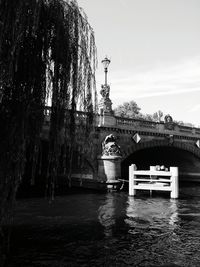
<point x="109" y="170"/>
<point x="107" y="120"/>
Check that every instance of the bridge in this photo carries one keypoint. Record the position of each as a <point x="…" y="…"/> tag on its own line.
<point x="119" y="142"/>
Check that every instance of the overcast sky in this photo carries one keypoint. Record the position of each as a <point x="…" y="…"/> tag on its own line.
<point x="154" y="47"/>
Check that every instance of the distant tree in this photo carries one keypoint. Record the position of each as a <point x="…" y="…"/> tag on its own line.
<point x="146" y="117"/>
<point x="127" y="110"/>
<point x="188" y="124"/>
<point x="179" y="122"/>
<point x="158" y="116"/>
<point x="131" y="110"/>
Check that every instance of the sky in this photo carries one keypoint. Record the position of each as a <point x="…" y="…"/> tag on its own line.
<point x="154" y="47"/>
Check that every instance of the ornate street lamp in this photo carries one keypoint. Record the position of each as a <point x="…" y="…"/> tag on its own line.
<point x="105" y="63"/>
<point x="105" y="104"/>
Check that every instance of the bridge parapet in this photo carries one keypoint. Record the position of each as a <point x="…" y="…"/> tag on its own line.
<point x="160" y="127"/>
<point x="124" y="122"/>
<point x="80" y="116"/>
<point x="130" y="124"/>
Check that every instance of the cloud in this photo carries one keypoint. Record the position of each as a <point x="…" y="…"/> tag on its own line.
<point x="195" y="108"/>
<point x="174" y="92"/>
<point x="123" y="3"/>
<point x="172" y="88"/>
<point x="162" y="80"/>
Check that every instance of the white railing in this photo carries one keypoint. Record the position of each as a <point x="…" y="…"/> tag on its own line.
<point x="153" y="180"/>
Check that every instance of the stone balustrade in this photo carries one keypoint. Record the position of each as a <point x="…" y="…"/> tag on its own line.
<point x="128" y="123"/>
<point x="80" y="116"/>
<point x="157" y="126"/>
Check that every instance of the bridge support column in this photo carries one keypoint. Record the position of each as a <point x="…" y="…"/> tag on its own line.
<point x="109" y="171"/>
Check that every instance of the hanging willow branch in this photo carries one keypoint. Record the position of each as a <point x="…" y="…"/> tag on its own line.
<point x="47" y="53"/>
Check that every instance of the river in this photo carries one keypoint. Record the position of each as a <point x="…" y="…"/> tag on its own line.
<point x="107" y="229"/>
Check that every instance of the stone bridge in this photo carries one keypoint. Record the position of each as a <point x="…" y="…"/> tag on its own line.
<point x="148" y="143"/>
<point x="119" y="142"/>
<point x="136" y="141"/>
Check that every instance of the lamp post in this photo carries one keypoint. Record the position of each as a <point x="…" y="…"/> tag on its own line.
<point x="105" y="63"/>
<point x="105" y="104"/>
<point x="109" y="162"/>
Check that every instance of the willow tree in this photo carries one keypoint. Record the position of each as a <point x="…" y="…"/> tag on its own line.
<point x="47" y="53"/>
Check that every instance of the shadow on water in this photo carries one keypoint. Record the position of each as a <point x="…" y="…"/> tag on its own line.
<point x="110" y="229"/>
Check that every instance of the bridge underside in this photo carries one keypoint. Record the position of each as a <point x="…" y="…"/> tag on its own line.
<point x="188" y="164"/>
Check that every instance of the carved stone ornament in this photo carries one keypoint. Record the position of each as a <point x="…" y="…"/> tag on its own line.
<point x="171" y="139"/>
<point x="105" y="104"/>
<point x="136" y="138"/>
<point x="105" y="91"/>
<point x="198" y="143"/>
<point x="110" y="147"/>
<point x="169" y="124"/>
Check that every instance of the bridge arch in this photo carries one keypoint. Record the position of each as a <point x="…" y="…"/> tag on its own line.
<point x="128" y="150"/>
<point x="160" y="152"/>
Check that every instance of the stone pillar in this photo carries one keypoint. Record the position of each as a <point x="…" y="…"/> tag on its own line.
<point x="107" y="120"/>
<point x="109" y="170"/>
<point x="105" y="104"/>
<point x="106" y="113"/>
<point x="109" y="163"/>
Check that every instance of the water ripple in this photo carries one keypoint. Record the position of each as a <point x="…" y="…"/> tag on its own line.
<point x="107" y="230"/>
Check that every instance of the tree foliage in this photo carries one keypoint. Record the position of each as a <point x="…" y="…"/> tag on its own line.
<point x="47" y="51"/>
<point x="132" y="110"/>
<point x="158" y="116"/>
<point x="187" y="124"/>
<point x="128" y="110"/>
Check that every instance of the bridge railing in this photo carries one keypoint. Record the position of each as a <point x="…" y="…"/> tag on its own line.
<point x="128" y="123"/>
<point x="80" y="116"/>
<point x="157" y="126"/>
<point x="135" y="122"/>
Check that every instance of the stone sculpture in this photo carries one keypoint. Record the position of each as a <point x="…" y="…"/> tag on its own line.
<point x="169" y="124"/>
<point x="110" y="147"/>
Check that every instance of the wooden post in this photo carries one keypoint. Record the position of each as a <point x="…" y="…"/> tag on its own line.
<point x="132" y="176"/>
<point x="174" y="182"/>
<point x="152" y="168"/>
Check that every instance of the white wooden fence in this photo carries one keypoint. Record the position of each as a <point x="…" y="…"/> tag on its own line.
<point x="153" y="180"/>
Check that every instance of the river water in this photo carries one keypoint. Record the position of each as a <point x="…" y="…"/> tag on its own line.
<point x="111" y="229"/>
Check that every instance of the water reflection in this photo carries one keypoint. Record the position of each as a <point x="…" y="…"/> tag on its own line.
<point x="106" y="214"/>
<point x="108" y="230"/>
<point x="174" y="212"/>
<point x="112" y="213"/>
<point x="152" y="212"/>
